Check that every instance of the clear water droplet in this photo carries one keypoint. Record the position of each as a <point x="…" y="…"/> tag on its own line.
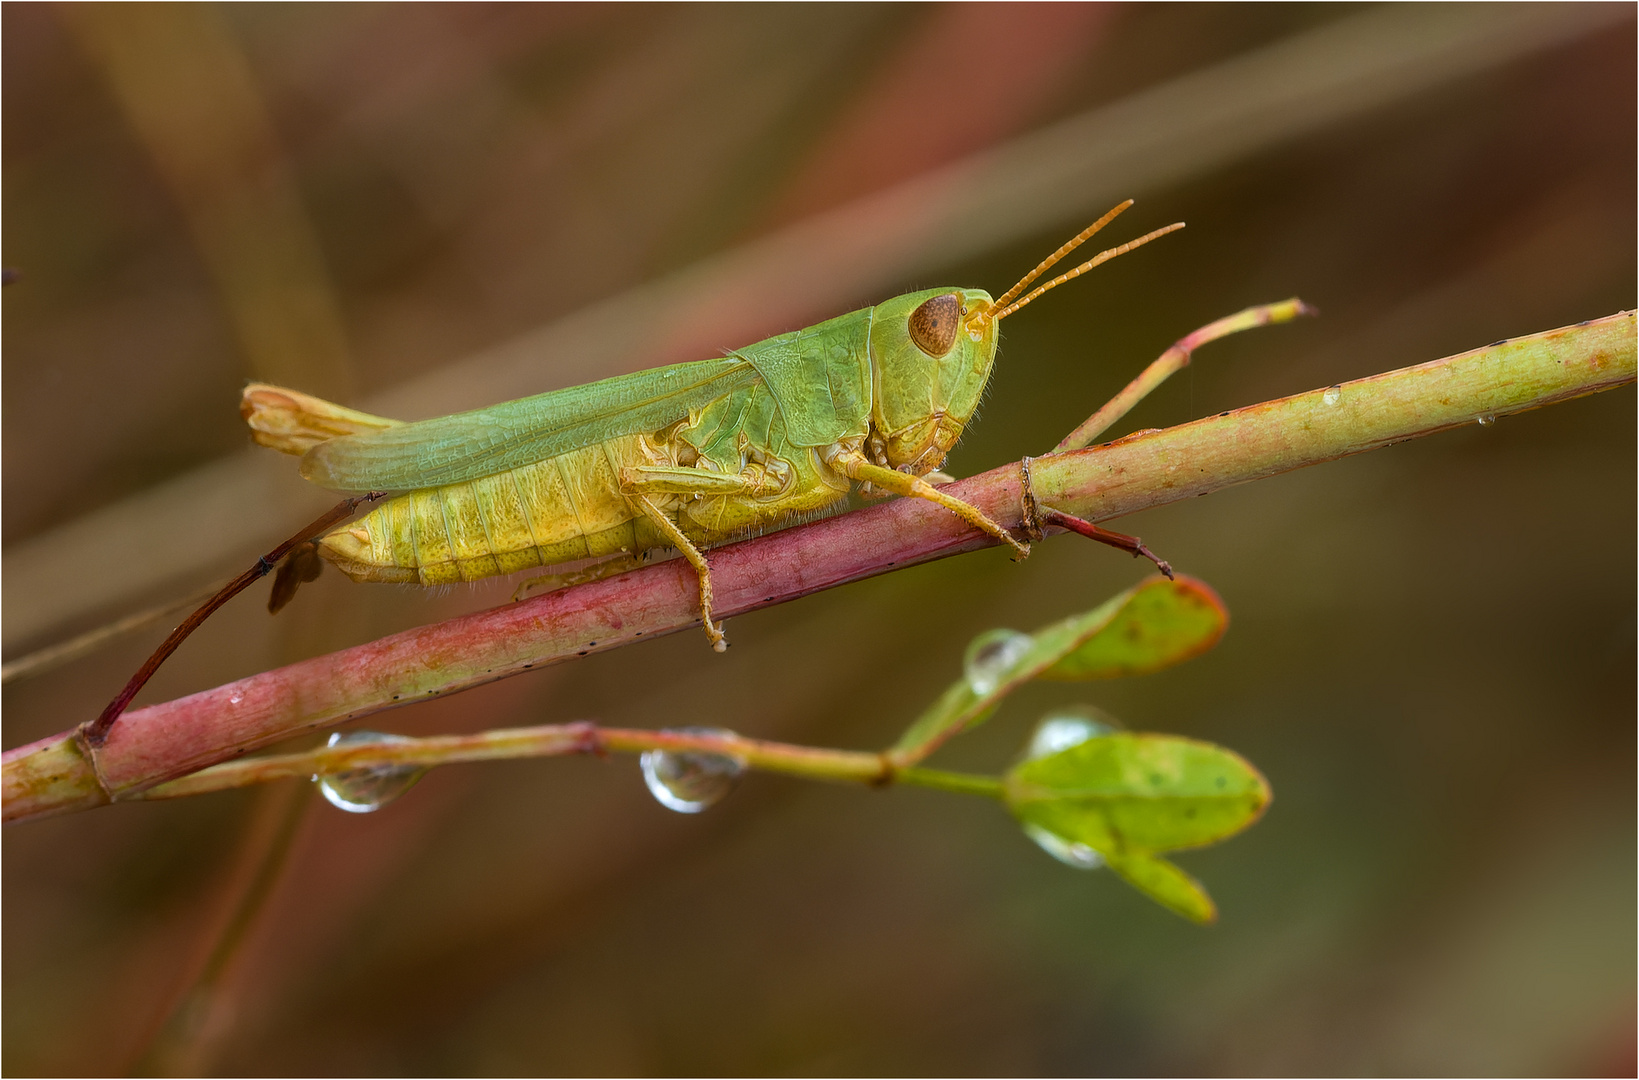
<point x="689" y="782"/>
<point x="361" y="791"/>
<point x="991" y="655"/>
<point x="1487" y="420"/>
<point x="1067" y="726"/>
<point x="236" y="699"/>
<point x="1332" y="395"/>
<point x="1065" y="851"/>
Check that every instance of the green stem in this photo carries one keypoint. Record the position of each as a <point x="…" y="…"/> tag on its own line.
<point x="961" y="783"/>
<point x="552" y="740"/>
<point x="1175" y="360"/>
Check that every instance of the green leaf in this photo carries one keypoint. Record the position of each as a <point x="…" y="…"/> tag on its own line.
<point x="1131" y="797"/>
<point x="1161" y="624"/>
<point x="1150" y="626"/>
<point x="1167" y="885"/>
<point x="1124" y="794"/>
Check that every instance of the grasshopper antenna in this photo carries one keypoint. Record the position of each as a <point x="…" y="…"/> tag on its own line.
<point x="1101" y="257"/>
<point x="1047" y="263"/>
<point x="96" y="732"/>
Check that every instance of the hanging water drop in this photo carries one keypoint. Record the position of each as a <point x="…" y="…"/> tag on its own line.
<point x="991" y="656"/>
<point x="1067" y="726"/>
<point x="689" y="781"/>
<point x="1332" y="395"/>
<point x="361" y="791"/>
<point x="1065" y="851"/>
<point x="1487" y="420"/>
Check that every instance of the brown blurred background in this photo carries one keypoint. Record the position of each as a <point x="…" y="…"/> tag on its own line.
<point x="422" y="208"/>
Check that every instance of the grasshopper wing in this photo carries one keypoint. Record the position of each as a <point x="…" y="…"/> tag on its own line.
<point x="466" y="446"/>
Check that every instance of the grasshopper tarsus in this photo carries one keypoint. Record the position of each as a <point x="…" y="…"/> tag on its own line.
<point x="1130" y="544"/>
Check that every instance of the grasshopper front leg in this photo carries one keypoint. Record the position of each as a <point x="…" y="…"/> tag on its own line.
<point x="855" y="466"/>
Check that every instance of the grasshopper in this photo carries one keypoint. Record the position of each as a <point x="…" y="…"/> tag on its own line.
<point x="688" y="456"/>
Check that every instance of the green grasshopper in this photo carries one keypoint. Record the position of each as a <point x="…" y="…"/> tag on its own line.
<point x="688" y="456"/>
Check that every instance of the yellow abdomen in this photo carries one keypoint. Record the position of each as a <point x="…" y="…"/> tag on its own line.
<point x="555" y="511"/>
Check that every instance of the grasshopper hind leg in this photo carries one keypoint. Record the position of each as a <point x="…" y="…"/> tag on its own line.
<point x="604" y="568"/>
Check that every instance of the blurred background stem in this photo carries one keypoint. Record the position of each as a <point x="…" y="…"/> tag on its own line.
<point x="201" y="1015"/>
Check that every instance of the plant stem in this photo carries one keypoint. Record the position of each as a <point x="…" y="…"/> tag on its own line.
<point x="550" y="740"/>
<point x="161" y="742"/>
<point x="1175" y="360"/>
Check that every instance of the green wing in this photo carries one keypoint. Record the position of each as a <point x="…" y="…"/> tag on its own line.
<point x="469" y="445"/>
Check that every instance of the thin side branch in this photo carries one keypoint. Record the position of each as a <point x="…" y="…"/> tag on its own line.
<point x="1175" y="360"/>
<point x="554" y="740"/>
<point x="161" y="742"/>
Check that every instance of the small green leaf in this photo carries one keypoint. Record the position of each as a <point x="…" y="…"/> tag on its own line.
<point x="1131" y="797"/>
<point x="1123" y="793"/>
<point x="1167" y="885"/>
<point x="1163" y="623"/>
<point x="1156" y="623"/>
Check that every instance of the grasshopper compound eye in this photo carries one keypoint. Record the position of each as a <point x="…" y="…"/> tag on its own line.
<point x="934" y="323"/>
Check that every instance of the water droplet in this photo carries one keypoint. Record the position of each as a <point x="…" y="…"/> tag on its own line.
<point x="1067" y="726"/>
<point x="1487" y="420"/>
<point x="1065" y="851"/>
<point x="991" y="656"/>
<point x="361" y="791"/>
<point x="1332" y="395"/>
<point x="236" y="699"/>
<point x="688" y="782"/>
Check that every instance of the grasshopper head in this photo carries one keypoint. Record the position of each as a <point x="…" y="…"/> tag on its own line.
<point x="931" y="353"/>
<point x="930" y="360"/>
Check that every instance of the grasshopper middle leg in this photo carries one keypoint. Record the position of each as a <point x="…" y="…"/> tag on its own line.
<point x="696" y="558"/>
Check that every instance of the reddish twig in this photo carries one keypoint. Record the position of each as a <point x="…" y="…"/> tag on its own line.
<point x="96" y="732"/>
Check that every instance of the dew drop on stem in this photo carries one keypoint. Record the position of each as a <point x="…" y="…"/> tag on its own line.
<point x="1332" y="395"/>
<point x="362" y="791"/>
<point x="689" y="781"/>
<point x="991" y="656"/>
